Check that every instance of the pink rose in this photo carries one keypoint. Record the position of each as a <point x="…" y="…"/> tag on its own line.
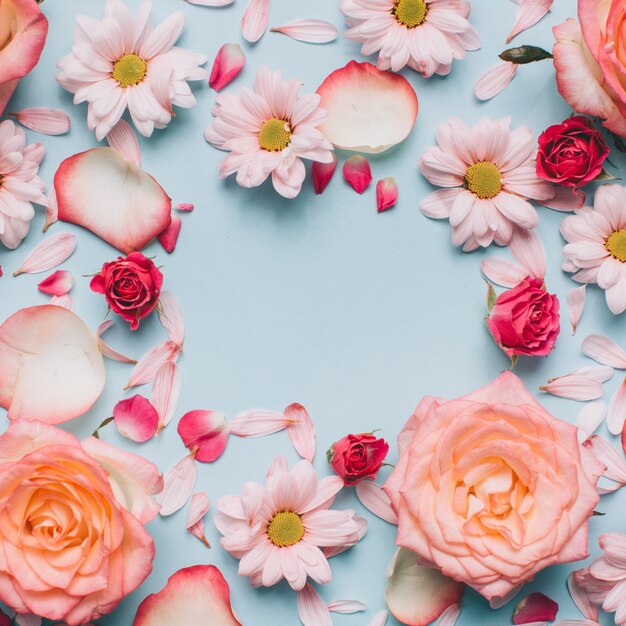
<point x="525" y="319"/>
<point x="356" y="457"/>
<point x="72" y="515"/>
<point x="591" y="63"/>
<point x="23" y="30"/>
<point x="491" y="488"/>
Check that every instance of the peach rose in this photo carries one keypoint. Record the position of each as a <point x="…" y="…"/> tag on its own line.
<point x="491" y="488"/>
<point x="72" y="541"/>
<point x="23" y="30"/>
<point x="591" y="62"/>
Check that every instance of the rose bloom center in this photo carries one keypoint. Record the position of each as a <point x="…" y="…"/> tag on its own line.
<point x="484" y="179"/>
<point x="616" y="245"/>
<point x="130" y="70"/>
<point x="285" y="529"/>
<point x="275" y="135"/>
<point x="410" y="13"/>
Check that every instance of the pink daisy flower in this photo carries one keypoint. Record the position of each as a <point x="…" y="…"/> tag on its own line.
<point x="426" y="35"/>
<point x="19" y="184"/>
<point x="596" y="248"/>
<point x="277" y="529"/>
<point x="124" y="63"/>
<point x="268" y="131"/>
<point x="488" y="175"/>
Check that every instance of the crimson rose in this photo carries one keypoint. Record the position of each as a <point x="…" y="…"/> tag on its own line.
<point x="356" y="457"/>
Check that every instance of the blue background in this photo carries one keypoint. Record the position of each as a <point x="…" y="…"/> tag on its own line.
<point x="319" y="300"/>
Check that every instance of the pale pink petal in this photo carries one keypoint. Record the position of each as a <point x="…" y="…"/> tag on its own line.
<point x="210" y="3"/>
<point x="205" y="433"/>
<point x="227" y="65"/>
<point x="57" y="284"/>
<point x="52" y="251"/>
<point x="536" y="607"/>
<point x="608" y="455"/>
<point x="301" y="431"/>
<point x="369" y="110"/>
<point x="346" y="606"/>
<point x="186" y="207"/>
<point x="380" y="619"/>
<point x="51" y="368"/>
<point x="356" y="171"/>
<point x="106" y="349"/>
<point x="617" y="410"/>
<point x="527" y="248"/>
<point x="361" y="523"/>
<point x="198" y="507"/>
<point x="322" y="173"/>
<point x="171" y="318"/>
<point x="308" y="30"/>
<point x="449" y="616"/>
<point x="576" y="305"/>
<point x="503" y="272"/>
<point x="386" y="194"/>
<point x="113" y="198"/>
<point x="581" y="599"/>
<point x="601" y="373"/>
<point x="178" y="484"/>
<point x="491" y="82"/>
<point x="169" y="237"/>
<point x="123" y="139"/>
<point x="604" y="350"/>
<point x="44" y="120"/>
<point x="257" y="423"/>
<point x="136" y="418"/>
<point x="166" y="390"/>
<point x="52" y="210"/>
<point x="575" y="387"/>
<point x="193" y="595"/>
<point x="589" y="418"/>
<point x="312" y="610"/>
<point x="65" y="301"/>
<point x="528" y="14"/>
<point x="565" y="199"/>
<point x="418" y="594"/>
<point x="375" y="500"/>
<point x="151" y="362"/>
<point x="255" y="19"/>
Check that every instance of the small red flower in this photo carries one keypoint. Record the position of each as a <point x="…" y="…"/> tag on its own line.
<point x="356" y="457"/>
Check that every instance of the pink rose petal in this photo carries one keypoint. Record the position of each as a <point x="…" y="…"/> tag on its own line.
<point x="356" y="171"/>
<point x="528" y="14"/>
<point x="345" y="607"/>
<point x="386" y="194"/>
<point x="380" y="619"/>
<point x="589" y="418"/>
<point x="52" y="251"/>
<point x="65" y="301"/>
<point x="576" y="305"/>
<point x="494" y="80"/>
<point x="44" y="120"/>
<point x="52" y="210"/>
<point x="574" y="387"/>
<point x="527" y="247"/>
<point x="166" y="390"/>
<point x="123" y="139"/>
<point x="186" y="207"/>
<point x="136" y="418"/>
<point x="301" y="431"/>
<point x="178" y="484"/>
<point x="227" y="65"/>
<point x="375" y="500"/>
<point x="171" y="318"/>
<point x="312" y="610"/>
<point x="198" y="508"/>
<point x="169" y="237"/>
<point x="322" y="174"/>
<point x="449" y="616"/>
<point x="57" y="284"/>
<point x="255" y="19"/>
<point x="503" y="272"/>
<point x="536" y="607"/>
<point x="151" y="362"/>
<point x="605" y="351"/>
<point x="206" y="432"/>
<point x="257" y="423"/>
<point x="617" y="410"/>
<point x="308" y="30"/>
<point x="581" y="599"/>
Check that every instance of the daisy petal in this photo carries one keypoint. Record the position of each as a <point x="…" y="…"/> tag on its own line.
<point x="308" y="30"/>
<point x="228" y="64"/>
<point x="166" y="390"/>
<point x="375" y="500"/>
<point x="52" y="251"/>
<point x="257" y="423"/>
<point x="356" y="171"/>
<point x="607" y="454"/>
<point x="255" y="19"/>
<point x="527" y="248"/>
<point x="604" y="350"/>
<point x="574" y="387"/>
<point x="136" y="418"/>
<point x="301" y="431"/>
<point x="346" y="606"/>
<point x="449" y="616"/>
<point x="380" y="619"/>
<point x="44" y="120"/>
<point x="581" y="599"/>
<point x="312" y="610"/>
<point x="491" y="82"/>
<point x="198" y="507"/>
<point x="565" y="199"/>
<point x="589" y="418"/>
<point x="178" y="484"/>
<point x="210" y="3"/>
<point x="617" y="410"/>
<point x="171" y="318"/>
<point x="576" y="305"/>
<point x="361" y="523"/>
<point x="151" y="362"/>
<point x="123" y="139"/>
<point x="205" y="432"/>
<point x="528" y="14"/>
<point x="502" y="272"/>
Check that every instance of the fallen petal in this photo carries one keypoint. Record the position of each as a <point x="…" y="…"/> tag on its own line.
<point x="601" y="373"/>
<point x="605" y="351"/>
<point x="255" y="19"/>
<point x="169" y="237"/>
<point x="136" y="418"/>
<point x="380" y="619"/>
<point x="581" y="599"/>
<point x="528" y="14"/>
<point x="589" y="418"/>
<point x="503" y="272"/>
<point x="57" y="284"/>
<point x="52" y="210"/>
<point x="206" y="432"/>
<point x="527" y="247"/>
<point x="198" y="508"/>
<point x="151" y="362"/>
<point x="608" y="455"/>
<point x="574" y="387"/>
<point x="178" y="484"/>
<point x="312" y="610"/>
<point x="257" y="423"/>
<point x="449" y="616"/>
<point x="617" y="411"/>
<point x="65" y="301"/>
<point x="227" y="65"/>
<point x="375" y="500"/>
<point x="301" y="431"/>
<point x="356" y="171"/>
<point x="186" y="207"/>
<point x="43" y="120"/>
<point x="536" y="607"/>
<point x="346" y="606"/>
<point x="308" y="30"/>
<point x="52" y="251"/>
<point x="166" y="390"/>
<point x="171" y="318"/>
<point x="565" y="199"/>
<point x="494" y="80"/>
<point x="331" y="551"/>
<point x="210" y="3"/>
<point x="386" y="193"/>
<point x="576" y="305"/>
<point x="322" y="174"/>
<point x="113" y="354"/>
<point x="123" y="139"/>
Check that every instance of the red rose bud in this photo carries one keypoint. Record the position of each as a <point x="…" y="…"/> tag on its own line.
<point x="535" y="608"/>
<point x="130" y="285"/>
<point x="525" y="319"/>
<point x="571" y="153"/>
<point x="356" y="457"/>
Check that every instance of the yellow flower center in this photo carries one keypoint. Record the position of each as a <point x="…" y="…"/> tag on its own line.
<point x="616" y="245"/>
<point x="130" y="70"/>
<point x="410" y="13"/>
<point x="484" y="179"/>
<point x="275" y="135"/>
<point x="285" y="529"/>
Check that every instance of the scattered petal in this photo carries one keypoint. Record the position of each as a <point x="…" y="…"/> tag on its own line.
<point x="52" y="210"/>
<point x="608" y="455"/>
<point x="166" y="390"/>
<point x="356" y="171"/>
<point x="169" y="236"/>
<point x="576" y="305"/>
<point x="186" y="207"/>
<point x="581" y="599"/>
<point x="106" y="349"/>
<point x="380" y="619"/>
<point x="255" y="19"/>
<point x="605" y="351"/>
<point x="198" y="508"/>
<point x="601" y="373"/>
<point x="206" y="432"/>
<point x="565" y="199"/>
<point x="449" y="616"/>
<point x="347" y="606"/>
<point x="331" y="551"/>
<point x="44" y="120"/>
<point x="308" y="30"/>
<point x="228" y="64"/>
<point x="503" y="272"/>
<point x="386" y="193"/>
<point x="322" y="173"/>
<point x="210" y="3"/>
<point x="527" y="247"/>
<point x="574" y="387"/>
<point x="57" y="284"/>
<point x="528" y="14"/>
<point x="617" y="410"/>
<point x="494" y="80"/>
<point x="536" y="607"/>
<point x="178" y="484"/>
<point x="65" y="301"/>
<point x="136" y="418"/>
<point x="375" y="500"/>
<point x="172" y="318"/>
<point x="589" y="418"/>
<point x="123" y="139"/>
<point x="301" y="431"/>
<point x="257" y="423"/>
<point x="312" y="610"/>
<point x="151" y="362"/>
<point x="52" y="251"/>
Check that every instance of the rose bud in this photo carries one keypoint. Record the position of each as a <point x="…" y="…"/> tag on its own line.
<point x="130" y="285"/>
<point x="356" y="457"/>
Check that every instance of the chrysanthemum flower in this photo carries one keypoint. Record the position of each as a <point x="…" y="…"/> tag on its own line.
<point x="596" y="248"/>
<point x="19" y="183"/>
<point x="426" y="35"/>
<point x="268" y="131"/>
<point x="122" y="63"/>
<point x="488" y="172"/>
<point x="277" y="529"/>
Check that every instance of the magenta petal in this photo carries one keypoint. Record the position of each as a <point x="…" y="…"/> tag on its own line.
<point x="169" y="236"/>
<point x="301" y="431"/>
<point x="136" y="418"/>
<point x="57" y="284"/>
<point x="228" y="63"/>
<point x="535" y="608"/>
<point x="322" y="173"/>
<point x="186" y="207"/>
<point x="356" y="171"/>
<point x="386" y="193"/>
<point x="206" y="432"/>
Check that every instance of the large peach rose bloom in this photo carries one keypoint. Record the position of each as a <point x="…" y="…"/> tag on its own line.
<point x="590" y="61"/>
<point x="491" y="488"/>
<point x="72" y="540"/>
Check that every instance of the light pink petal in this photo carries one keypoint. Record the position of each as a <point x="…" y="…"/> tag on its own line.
<point x="369" y="110"/>
<point x="386" y="194"/>
<point x="169" y="237"/>
<point x="186" y="207"/>
<point x="322" y="173"/>
<point x="198" y="508"/>
<point x="257" y="423"/>
<point x="576" y="305"/>
<point x="617" y="410"/>
<point x="418" y="594"/>
<point x="374" y="499"/>
<point x="301" y="431"/>
<point x="581" y="599"/>
<point x="193" y="595"/>
<point x="123" y="139"/>
<point x="565" y="199"/>
<point x="205" y="432"/>
<point x="604" y="350"/>
<point x="356" y="171"/>
<point x="312" y="610"/>
<point x="171" y="318"/>
<point x="166" y="390"/>
<point x="574" y="387"/>
<point x="528" y="14"/>
<point x="52" y="251"/>
<point x="589" y="418"/>
<point x="527" y="248"/>
<point x="151" y="362"/>
<point x="44" y="120"/>
<point x="106" y="349"/>
<point x="449" y="616"/>
<point x="346" y="606"/>
<point x="491" y="82"/>
<point x="210" y="3"/>
<point x="380" y="619"/>
<point x="57" y="284"/>
<point x="255" y="19"/>
<point x="228" y="63"/>
<point x="112" y="197"/>
<point x="503" y="272"/>
<point x="51" y="368"/>
<point x="52" y="210"/>
<point x="65" y="301"/>
<point x="361" y="523"/>
<point x="609" y="456"/>
<point x="536" y="607"/>
<point x="178" y="484"/>
<point x="308" y="30"/>
<point x="136" y="418"/>
<point x="601" y="373"/>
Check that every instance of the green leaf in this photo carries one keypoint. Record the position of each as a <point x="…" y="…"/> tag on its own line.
<point x="514" y="360"/>
<point x="491" y="297"/>
<point x="604" y="175"/>
<point x="525" y="54"/>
